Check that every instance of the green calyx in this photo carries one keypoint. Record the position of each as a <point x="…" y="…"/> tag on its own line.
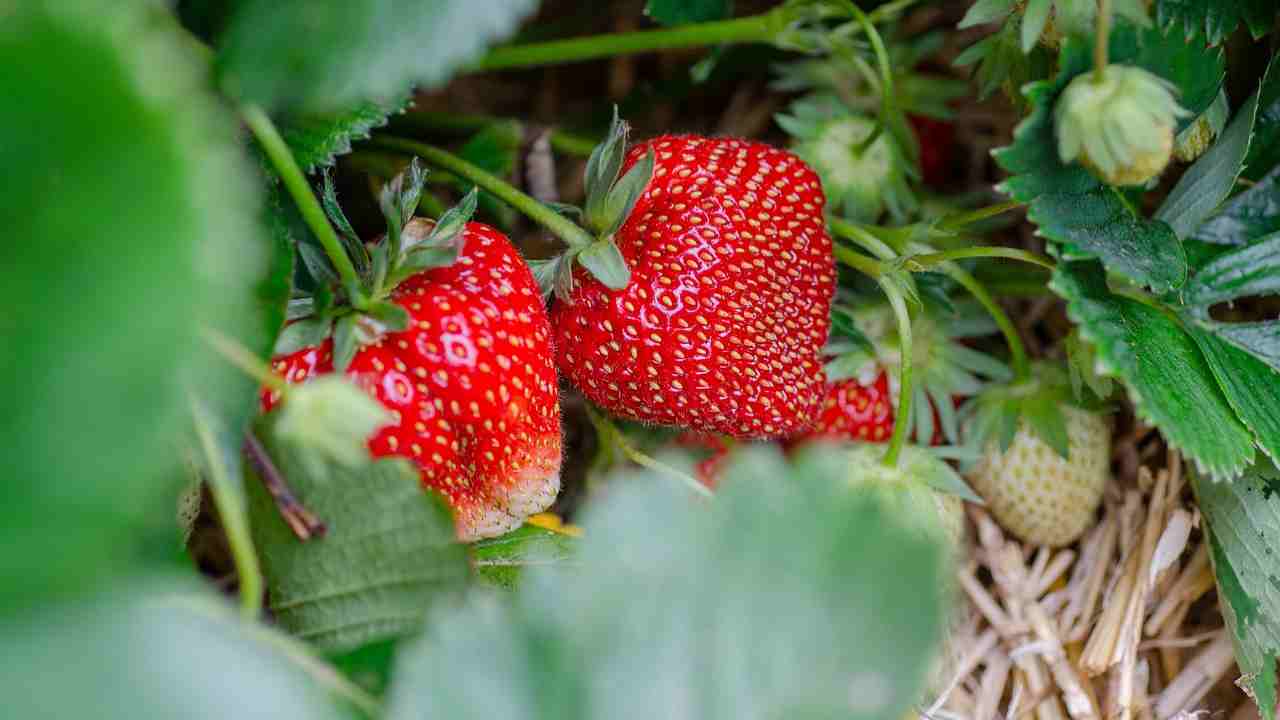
<point x="922" y="489"/>
<point x="996" y="415"/>
<point x="610" y="198"/>
<point x="863" y="171"/>
<point x="1119" y="123"/>
<point x="411" y="245"/>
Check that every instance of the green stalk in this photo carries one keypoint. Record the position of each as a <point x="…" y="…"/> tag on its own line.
<point x="564" y="228"/>
<point x="964" y="219"/>
<point x="296" y="183"/>
<point x="231" y="509"/>
<point x="1017" y="352"/>
<point x="927" y="260"/>
<point x="902" y="422"/>
<point x="864" y="239"/>
<point x="752" y="29"/>
<point x="613" y="436"/>
<point x="245" y="361"/>
<point x="863" y="264"/>
<point x="1102" y="41"/>
<point x="450" y="124"/>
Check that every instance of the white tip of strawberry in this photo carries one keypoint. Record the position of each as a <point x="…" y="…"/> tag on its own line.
<point x="530" y="496"/>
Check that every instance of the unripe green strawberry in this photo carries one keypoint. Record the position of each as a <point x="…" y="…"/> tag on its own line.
<point x="1120" y="125"/>
<point x="923" y="489"/>
<point x="1044" y="483"/>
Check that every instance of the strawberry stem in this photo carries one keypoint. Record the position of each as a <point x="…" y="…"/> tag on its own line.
<point x="926" y="261"/>
<point x="1017" y="351"/>
<point x="611" y="435"/>
<point x="868" y="266"/>
<point x="864" y="239"/>
<point x="964" y="219"/>
<point x="295" y="182"/>
<point x="451" y="124"/>
<point x="902" y="421"/>
<point x="762" y="28"/>
<point x="1101" y="40"/>
<point x="248" y="363"/>
<point x="562" y="227"/>
<point x="229" y="499"/>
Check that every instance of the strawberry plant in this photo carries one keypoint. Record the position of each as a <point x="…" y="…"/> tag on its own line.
<point x="686" y="358"/>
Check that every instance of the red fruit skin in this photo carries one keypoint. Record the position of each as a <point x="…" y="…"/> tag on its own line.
<point x="937" y="145"/>
<point x="854" y="410"/>
<point x="471" y="385"/>
<point x="722" y="326"/>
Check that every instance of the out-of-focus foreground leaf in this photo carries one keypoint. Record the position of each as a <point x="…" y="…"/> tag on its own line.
<point x="792" y="595"/>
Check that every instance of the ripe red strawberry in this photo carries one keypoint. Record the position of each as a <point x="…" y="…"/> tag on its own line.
<point x="722" y="324"/>
<point x="470" y="384"/>
<point x="855" y="410"/>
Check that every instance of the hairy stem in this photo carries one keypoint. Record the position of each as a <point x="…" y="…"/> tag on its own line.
<point x="561" y="226"/>
<point x="969" y="217"/>
<point x="752" y="29"/>
<point x="864" y="239"/>
<point x="296" y="183"/>
<point x="569" y="143"/>
<point x="611" y="435"/>
<point x="902" y="422"/>
<point x="863" y="264"/>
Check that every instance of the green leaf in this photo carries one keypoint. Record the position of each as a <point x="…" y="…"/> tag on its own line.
<point x="501" y="561"/>
<point x="394" y="317"/>
<point x="1247" y="216"/>
<point x="318" y="58"/>
<point x="158" y="650"/>
<point x="604" y="261"/>
<point x="602" y="170"/>
<point x="1210" y="180"/>
<point x="1169" y="381"/>
<point x="1084" y="217"/>
<point x="1264" y="153"/>
<point x="1243" y="518"/>
<point x="724" y="611"/>
<point x="134" y="226"/>
<point x="1033" y="22"/>
<point x="680" y="12"/>
<point x="1215" y="19"/>
<point x="388" y="556"/>
<point x="1044" y="416"/>
<point x="302" y="334"/>
<point x="317" y="140"/>
<point x="1252" y="388"/>
<point x="986" y="11"/>
<point x="346" y="341"/>
<point x="1247" y="272"/>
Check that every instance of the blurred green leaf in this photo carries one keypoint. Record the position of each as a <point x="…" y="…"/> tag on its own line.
<point x="1264" y="152"/>
<point x="323" y="57"/>
<point x="1243" y="518"/>
<point x="1215" y="19"/>
<point x="679" y="12"/>
<point x="1247" y="216"/>
<point x="388" y="556"/>
<point x="156" y="651"/>
<point x="133" y="226"/>
<point x="682" y="611"/>
<point x="317" y="140"/>
<point x="501" y="561"/>
<point x="1169" y="381"/>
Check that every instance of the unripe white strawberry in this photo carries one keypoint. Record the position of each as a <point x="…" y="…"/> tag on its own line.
<point x="1038" y="495"/>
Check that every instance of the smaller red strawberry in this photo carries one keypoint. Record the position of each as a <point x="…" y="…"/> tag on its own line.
<point x="855" y="410"/>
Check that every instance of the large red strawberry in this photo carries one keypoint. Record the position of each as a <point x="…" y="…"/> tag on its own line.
<point x="722" y="325"/>
<point x="469" y="382"/>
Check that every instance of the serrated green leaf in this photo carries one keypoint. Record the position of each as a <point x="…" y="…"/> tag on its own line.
<point x="1215" y="19"/>
<point x="1169" y="381"/>
<point x="1243" y="519"/>
<point x="501" y="561"/>
<point x="726" y="611"/>
<point x="1264" y="153"/>
<point x="1247" y="216"/>
<point x="1252" y="270"/>
<point x="1070" y="206"/>
<point x="604" y="261"/>
<point x="680" y="12"/>
<point x="1211" y="179"/>
<point x="1251" y="387"/>
<point x="134" y="228"/>
<point x="389" y="553"/>
<point x="146" y="652"/>
<point x="313" y="57"/>
<point x="318" y="140"/>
